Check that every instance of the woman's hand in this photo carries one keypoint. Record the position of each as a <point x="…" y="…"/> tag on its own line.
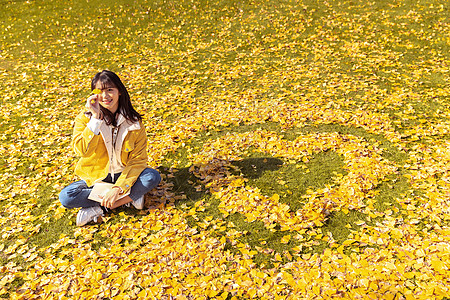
<point x="92" y="103"/>
<point x="111" y="197"/>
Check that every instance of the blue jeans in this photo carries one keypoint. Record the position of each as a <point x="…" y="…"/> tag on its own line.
<point x="76" y="194"/>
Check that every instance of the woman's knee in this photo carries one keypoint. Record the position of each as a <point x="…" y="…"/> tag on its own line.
<point x="69" y="195"/>
<point x="150" y="177"/>
<point x="64" y="198"/>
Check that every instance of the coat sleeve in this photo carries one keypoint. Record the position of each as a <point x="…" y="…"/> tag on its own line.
<point x="84" y="141"/>
<point x="136" y="161"/>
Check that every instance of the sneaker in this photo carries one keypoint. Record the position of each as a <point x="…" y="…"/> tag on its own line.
<point x="88" y="214"/>
<point x="139" y="203"/>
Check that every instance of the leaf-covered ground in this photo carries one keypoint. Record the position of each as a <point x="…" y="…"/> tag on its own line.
<point x="303" y="146"/>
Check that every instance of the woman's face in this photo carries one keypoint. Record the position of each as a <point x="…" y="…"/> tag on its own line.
<point x="109" y="97"/>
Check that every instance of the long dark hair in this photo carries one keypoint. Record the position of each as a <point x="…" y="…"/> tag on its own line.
<point x="110" y="79"/>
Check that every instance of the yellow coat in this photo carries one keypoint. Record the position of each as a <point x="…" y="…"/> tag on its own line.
<point x="94" y="163"/>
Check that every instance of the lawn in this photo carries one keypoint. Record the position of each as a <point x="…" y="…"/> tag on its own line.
<point x="303" y="146"/>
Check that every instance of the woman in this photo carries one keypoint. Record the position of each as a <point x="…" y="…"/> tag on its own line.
<point x="111" y="140"/>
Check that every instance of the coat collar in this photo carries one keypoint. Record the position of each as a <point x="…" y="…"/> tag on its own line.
<point x="125" y="127"/>
<point x="126" y="124"/>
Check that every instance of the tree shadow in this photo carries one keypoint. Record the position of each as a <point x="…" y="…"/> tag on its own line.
<point x="253" y="168"/>
<point x="184" y="182"/>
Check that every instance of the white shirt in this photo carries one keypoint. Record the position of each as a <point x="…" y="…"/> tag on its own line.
<point x="113" y="143"/>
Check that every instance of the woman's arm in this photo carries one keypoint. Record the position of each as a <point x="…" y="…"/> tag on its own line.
<point x="84" y="141"/>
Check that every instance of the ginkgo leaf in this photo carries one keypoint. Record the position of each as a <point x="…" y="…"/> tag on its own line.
<point x="218" y="84"/>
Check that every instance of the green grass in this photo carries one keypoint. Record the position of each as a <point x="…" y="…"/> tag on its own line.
<point x="291" y="181"/>
<point x="180" y="57"/>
